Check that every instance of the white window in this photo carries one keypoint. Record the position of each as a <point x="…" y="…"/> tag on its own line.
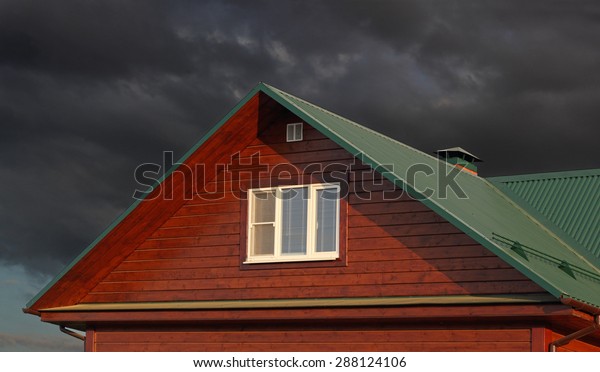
<point x="293" y="223"/>
<point x="294" y="132"/>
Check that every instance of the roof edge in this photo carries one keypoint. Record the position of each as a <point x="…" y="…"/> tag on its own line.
<point x="545" y="175"/>
<point x="314" y="302"/>
<point x="580" y="304"/>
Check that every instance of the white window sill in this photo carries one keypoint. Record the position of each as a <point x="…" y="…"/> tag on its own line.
<point x="256" y="260"/>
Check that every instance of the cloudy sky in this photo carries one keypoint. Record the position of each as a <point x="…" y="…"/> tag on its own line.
<point x="91" y="89"/>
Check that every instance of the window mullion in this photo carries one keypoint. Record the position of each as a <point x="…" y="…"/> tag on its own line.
<point x="310" y="227"/>
<point x="250" y="237"/>
<point x="277" y="222"/>
<point x="337" y="221"/>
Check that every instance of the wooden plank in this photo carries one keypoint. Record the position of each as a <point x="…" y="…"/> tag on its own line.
<point x="178" y="263"/>
<point x="547" y="338"/>
<point x="418" y="241"/>
<point x="378" y="208"/>
<point x="406" y="218"/>
<point x="318" y="336"/>
<point x="400" y="315"/>
<point x="191" y="209"/>
<point x="276" y="134"/>
<point x="379" y="197"/>
<point x="322" y="156"/>
<point x="202" y="220"/>
<point x="401" y="230"/>
<point x="410" y="289"/>
<point x="90" y="340"/>
<point x="314" y="281"/>
<point x="346" y="347"/>
<point x="367" y="175"/>
<point x="290" y="147"/>
<point x="500" y="325"/>
<point x="280" y="174"/>
<point x="195" y="231"/>
<point x="363" y="188"/>
<point x="198" y="241"/>
<point x="214" y="193"/>
<point x="400" y="254"/>
<point x="444" y="264"/>
<point x="195" y="252"/>
<point x="538" y="339"/>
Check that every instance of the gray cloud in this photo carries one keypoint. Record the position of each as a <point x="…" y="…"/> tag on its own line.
<point x="89" y="90"/>
<point x="93" y="38"/>
<point x="14" y="342"/>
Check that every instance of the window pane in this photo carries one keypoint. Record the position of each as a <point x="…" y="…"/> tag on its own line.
<point x="298" y="132"/>
<point x="293" y="220"/>
<point x="263" y="239"/>
<point x="264" y="206"/>
<point x="326" y="220"/>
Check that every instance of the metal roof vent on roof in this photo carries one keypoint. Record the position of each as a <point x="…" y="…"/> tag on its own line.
<point x="460" y="158"/>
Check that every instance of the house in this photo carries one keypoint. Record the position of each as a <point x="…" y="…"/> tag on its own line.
<point x="291" y="228"/>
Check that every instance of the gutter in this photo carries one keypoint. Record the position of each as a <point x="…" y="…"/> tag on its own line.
<point x="576" y="335"/>
<point x="69" y="332"/>
<point x="579" y="305"/>
<point x="63" y="329"/>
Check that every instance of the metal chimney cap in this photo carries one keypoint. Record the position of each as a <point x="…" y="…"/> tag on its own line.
<point x="458" y="152"/>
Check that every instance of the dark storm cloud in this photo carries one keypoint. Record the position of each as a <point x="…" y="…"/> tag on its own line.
<point x="91" y="89"/>
<point x="91" y="38"/>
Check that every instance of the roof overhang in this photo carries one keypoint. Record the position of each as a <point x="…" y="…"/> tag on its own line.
<point x="313" y="302"/>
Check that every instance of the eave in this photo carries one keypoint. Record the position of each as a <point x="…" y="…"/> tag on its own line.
<point x="312" y="303"/>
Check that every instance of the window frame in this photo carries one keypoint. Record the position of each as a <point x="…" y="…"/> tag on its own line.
<point x="311" y="231"/>
<point x="293" y="127"/>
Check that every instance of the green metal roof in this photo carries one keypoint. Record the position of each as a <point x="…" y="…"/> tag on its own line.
<point x="485" y="213"/>
<point x="569" y="202"/>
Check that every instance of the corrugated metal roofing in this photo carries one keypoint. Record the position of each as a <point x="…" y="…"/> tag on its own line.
<point x="485" y="213"/>
<point x="568" y="200"/>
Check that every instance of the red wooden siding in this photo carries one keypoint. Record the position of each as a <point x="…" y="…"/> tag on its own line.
<point x="286" y="338"/>
<point x="394" y="248"/>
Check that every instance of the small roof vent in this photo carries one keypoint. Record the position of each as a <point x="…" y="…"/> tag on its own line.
<point x="460" y="158"/>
